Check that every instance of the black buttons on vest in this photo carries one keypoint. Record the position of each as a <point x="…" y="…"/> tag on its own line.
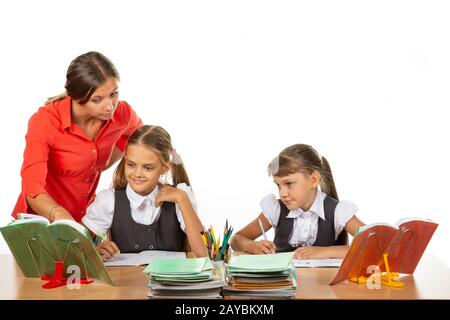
<point x="163" y="234"/>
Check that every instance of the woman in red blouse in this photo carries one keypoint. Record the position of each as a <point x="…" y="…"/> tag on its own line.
<point x="72" y="139"/>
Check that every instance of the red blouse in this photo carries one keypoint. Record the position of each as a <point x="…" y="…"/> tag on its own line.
<point x="60" y="160"/>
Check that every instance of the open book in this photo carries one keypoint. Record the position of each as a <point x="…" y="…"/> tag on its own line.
<point x="317" y="263"/>
<point x="142" y="258"/>
<point x="34" y="218"/>
<point x="404" y="242"/>
<point x="37" y="244"/>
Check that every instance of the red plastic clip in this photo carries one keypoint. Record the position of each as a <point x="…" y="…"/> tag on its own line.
<point x="57" y="279"/>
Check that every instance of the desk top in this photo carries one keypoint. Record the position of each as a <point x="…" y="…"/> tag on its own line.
<point x="430" y="281"/>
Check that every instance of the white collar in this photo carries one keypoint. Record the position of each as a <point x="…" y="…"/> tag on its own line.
<point x="316" y="207"/>
<point x="136" y="200"/>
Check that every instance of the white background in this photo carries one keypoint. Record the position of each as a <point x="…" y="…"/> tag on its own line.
<point x="234" y="82"/>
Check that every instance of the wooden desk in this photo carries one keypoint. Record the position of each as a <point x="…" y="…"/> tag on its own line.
<point x="430" y="281"/>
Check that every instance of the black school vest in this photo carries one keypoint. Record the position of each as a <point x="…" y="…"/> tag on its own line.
<point x="325" y="231"/>
<point x="132" y="237"/>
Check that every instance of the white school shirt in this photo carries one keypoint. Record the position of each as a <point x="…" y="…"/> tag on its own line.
<point x="99" y="215"/>
<point x="306" y="224"/>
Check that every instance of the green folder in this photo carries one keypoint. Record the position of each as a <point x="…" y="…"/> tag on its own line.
<point x="198" y="277"/>
<point x="190" y="266"/>
<point x="276" y="262"/>
<point x="37" y="245"/>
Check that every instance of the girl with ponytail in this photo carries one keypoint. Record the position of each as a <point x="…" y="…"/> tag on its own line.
<point x="144" y="210"/>
<point x="308" y="218"/>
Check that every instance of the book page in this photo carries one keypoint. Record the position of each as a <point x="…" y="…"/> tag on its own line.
<point x="408" y="219"/>
<point x="80" y="228"/>
<point x="371" y="225"/>
<point x="30" y="218"/>
<point x="317" y="263"/>
<point x="122" y="260"/>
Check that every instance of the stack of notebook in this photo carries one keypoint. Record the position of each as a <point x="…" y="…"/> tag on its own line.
<point x="269" y="276"/>
<point x="183" y="279"/>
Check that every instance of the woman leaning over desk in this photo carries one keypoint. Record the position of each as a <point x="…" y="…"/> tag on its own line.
<point x="72" y="139"/>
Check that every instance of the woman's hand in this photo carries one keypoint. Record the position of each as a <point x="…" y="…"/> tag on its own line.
<point x="261" y="247"/>
<point x="169" y="194"/>
<point x="312" y="253"/>
<point x="108" y="250"/>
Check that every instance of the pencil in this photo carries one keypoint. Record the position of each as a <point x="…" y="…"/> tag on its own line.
<point x="262" y="229"/>
<point x="102" y="236"/>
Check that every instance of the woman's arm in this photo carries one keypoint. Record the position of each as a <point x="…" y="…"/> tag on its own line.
<point x="244" y="239"/>
<point x="34" y="171"/>
<point x="45" y="206"/>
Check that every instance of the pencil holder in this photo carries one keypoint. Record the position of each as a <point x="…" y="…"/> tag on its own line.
<point x="219" y="268"/>
<point x="227" y="255"/>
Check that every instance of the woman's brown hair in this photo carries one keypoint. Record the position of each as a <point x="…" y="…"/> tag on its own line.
<point x="158" y="140"/>
<point x="85" y="74"/>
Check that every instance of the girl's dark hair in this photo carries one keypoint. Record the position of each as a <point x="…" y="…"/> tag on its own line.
<point x="305" y="159"/>
<point x="85" y="74"/>
<point x="158" y="140"/>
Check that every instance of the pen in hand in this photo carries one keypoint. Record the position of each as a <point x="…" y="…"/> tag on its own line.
<point x="104" y="238"/>
<point x="262" y="229"/>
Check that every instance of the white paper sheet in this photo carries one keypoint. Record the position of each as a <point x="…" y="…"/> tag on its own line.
<point x="317" y="263"/>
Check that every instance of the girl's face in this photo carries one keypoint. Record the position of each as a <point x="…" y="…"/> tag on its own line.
<point x="143" y="168"/>
<point x="103" y="101"/>
<point x="298" y="190"/>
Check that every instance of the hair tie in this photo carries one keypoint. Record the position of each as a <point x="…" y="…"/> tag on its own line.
<point x="320" y="157"/>
<point x="274" y="166"/>
<point x="176" y="159"/>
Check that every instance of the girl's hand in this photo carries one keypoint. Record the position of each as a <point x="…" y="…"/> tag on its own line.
<point x="108" y="250"/>
<point x="262" y="247"/>
<point x="311" y="253"/>
<point x="169" y="194"/>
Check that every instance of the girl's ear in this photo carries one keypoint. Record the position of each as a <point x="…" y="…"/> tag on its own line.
<point x="314" y="179"/>
<point x="167" y="167"/>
